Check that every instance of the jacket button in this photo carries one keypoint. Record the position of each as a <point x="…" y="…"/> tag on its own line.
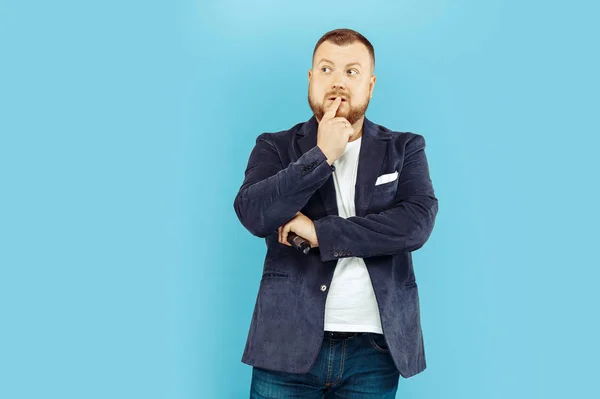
<point x="323" y="287"/>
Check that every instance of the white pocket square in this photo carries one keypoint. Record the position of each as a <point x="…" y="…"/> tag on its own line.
<point x="386" y="178"/>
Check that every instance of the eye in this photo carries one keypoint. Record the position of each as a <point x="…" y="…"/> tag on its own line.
<point x="325" y="69"/>
<point x="352" y="72"/>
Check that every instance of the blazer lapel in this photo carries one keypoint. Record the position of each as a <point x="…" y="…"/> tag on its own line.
<point x="373" y="149"/>
<point x="372" y="152"/>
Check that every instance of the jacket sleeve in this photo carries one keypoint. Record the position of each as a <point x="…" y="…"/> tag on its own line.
<point x="271" y="194"/>
<point x="405" y="227"/>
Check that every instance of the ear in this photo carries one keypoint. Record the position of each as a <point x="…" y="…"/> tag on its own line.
<point x="372" y="85"/>
<point x="309" y="74"/>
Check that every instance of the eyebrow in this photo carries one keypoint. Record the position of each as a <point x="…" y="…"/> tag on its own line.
<point x="331" y="62"/>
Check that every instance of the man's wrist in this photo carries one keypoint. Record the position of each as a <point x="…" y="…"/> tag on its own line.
<point x="328" y="159"/>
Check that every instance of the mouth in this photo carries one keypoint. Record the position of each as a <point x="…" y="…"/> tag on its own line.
<point x="344" y="99"/>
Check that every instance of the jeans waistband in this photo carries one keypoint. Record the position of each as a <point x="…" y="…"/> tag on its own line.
<point x="341" y="334"/>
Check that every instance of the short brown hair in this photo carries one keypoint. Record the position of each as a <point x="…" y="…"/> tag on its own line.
<point x="342" y="37"/>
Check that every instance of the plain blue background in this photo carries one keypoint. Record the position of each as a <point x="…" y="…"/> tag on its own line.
<point x="125" y="128"/>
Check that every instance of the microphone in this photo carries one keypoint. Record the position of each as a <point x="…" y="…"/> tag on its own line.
<point x="298" y="242"/>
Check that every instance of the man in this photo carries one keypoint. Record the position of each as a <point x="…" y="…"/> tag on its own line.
<point x="343" y="320"/>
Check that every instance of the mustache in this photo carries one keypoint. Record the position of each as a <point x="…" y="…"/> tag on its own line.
<point x="337" y="94"/>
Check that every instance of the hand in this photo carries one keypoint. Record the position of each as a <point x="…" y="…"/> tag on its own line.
<point x="333" y="133"/>
<point x="302" y="226"/>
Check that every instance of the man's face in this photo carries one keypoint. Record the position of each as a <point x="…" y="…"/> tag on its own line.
<point x="344" y="71"/>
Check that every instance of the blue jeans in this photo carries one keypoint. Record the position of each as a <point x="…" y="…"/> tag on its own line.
<point x="359" y="367"/>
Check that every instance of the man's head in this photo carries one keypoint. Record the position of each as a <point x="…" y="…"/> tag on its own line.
<point x="343" y="65"/>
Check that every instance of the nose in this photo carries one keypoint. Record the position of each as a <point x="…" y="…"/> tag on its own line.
<point x="338" y="81"/>
<point x="338" y="85"/>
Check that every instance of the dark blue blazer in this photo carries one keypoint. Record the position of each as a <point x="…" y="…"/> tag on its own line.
<point x="287" y="173"/>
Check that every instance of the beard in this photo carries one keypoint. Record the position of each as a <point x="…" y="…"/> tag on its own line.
<point x="352" y="115"/>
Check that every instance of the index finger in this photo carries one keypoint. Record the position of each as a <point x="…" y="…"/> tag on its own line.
<point x="333" y="109"/>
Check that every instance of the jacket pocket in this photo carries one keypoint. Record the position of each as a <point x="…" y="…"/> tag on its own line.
<point x="390" y="177"/>
<point x="272" y="274"/>
<point x="383" y="197"/>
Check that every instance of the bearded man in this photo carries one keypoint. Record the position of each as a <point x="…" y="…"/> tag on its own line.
<point x="341" y="320"/>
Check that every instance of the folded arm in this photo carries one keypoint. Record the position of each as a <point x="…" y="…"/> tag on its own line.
<point x="405" y="227"/>
<point x="272" y="194"/>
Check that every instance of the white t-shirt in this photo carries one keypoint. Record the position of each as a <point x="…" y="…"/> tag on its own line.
<point x="351" y="304"/>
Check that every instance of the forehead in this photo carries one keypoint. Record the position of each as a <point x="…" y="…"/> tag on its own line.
<point x="342" y="55"/>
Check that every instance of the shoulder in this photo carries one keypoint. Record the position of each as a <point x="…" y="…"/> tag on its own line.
<point x="281" y="137"/>
<point x="410" y="141"/>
